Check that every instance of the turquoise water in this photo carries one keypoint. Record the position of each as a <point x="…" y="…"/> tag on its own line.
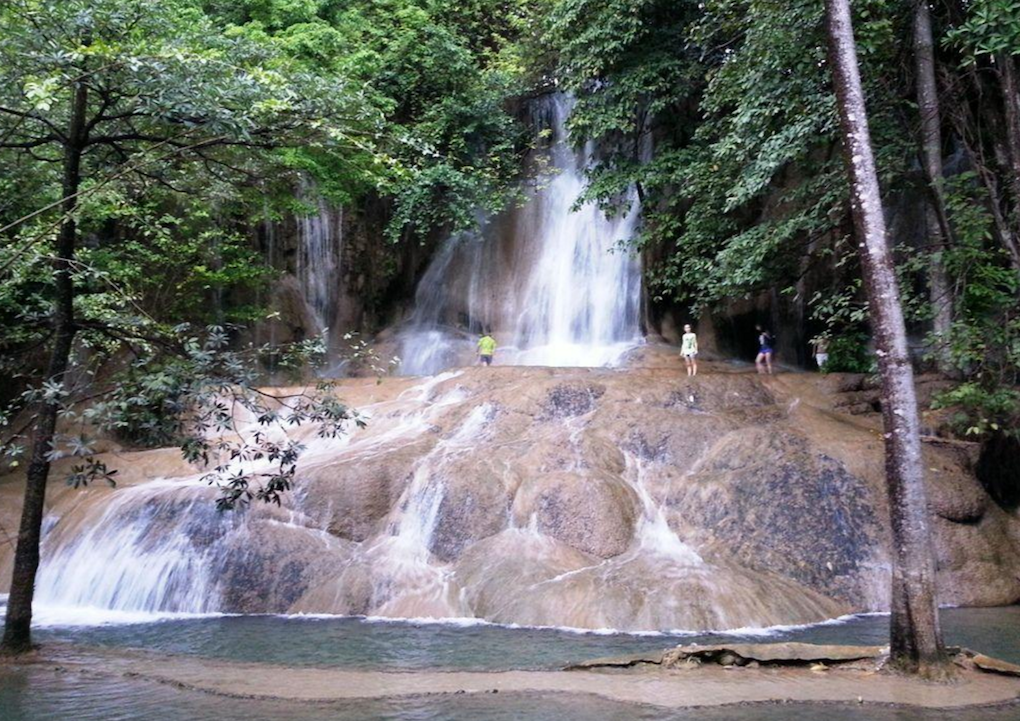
<point x="45" y="695"/>
<point x="383" y="645"/>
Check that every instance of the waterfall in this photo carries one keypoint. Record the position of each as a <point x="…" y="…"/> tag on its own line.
<point x="153" y="550"/>
<point x="654" y="534"/>
<point x="320" y="243"/>
<point x="549" y="279"/>
<point x="583" y="292"/>
<point x="409" y="581"/>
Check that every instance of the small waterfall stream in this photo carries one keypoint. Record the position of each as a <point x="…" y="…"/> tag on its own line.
<point x="409" y="579"/>
<point x="147" y="553"/>
<point x="550" y="280"/>
<point x="320" y="245"/>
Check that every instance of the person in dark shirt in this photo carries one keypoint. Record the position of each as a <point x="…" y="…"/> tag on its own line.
<point x="764" y="360"/>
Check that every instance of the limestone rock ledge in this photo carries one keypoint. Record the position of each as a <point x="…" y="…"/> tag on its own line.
<point x="634" y="499"/>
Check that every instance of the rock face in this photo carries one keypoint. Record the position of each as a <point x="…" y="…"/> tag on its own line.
<point x="636" y="500"/>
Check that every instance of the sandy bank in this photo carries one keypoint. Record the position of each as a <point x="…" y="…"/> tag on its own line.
<point x="705" y="686"/>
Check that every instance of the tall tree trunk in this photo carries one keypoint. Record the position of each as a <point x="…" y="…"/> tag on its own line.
<point x="916" y="638"/>
<point x="17" y="626"/>
<point x="936" y="217"/>
<point x="1011" y="106"/>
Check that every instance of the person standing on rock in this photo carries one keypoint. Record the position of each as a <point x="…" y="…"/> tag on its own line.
<point x="486" y="349"/>
<point x="689" y="350"/>
<point x="821" y="346"/>
<point x="764" y="360"/>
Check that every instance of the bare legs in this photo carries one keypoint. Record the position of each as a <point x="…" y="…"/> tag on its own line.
<point x="764" y="363"/>
<point x="692" y="365"/>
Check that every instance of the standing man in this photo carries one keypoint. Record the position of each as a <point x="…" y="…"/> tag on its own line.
<point x="821" y="345"/>
<point x="486" y="348"/>
<point x="689" y="350"/>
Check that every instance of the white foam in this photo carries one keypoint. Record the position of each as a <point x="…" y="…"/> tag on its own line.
<point x="471" y="622"/>
<point x="57" y="616"/>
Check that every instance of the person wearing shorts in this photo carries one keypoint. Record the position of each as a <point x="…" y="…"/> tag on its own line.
<point x="486" y="349"/>
<point x="689" y="350"/>
<point x="763" y="362"/>
<point x="821" y="352"/>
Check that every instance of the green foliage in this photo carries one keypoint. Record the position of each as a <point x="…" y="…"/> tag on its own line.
<point x="179" y="116"/>
<point x="736" y="96"/>
<point x="981" y="410"/>
<point x="991" y="27"/>
<point x="193" y="391"/>
<point x="439" y="75"/>
<point x="848" y="353"/>
<point x="983" y="343"/>
<point x="844" y="314"/>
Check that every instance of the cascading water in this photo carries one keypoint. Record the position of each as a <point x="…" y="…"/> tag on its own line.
<point x="654" y="534"/>
<point x="551" y="281"/>
<point x="409" y="581"/>
<point x="146" y="554"/>
<point x="320" y="244"/>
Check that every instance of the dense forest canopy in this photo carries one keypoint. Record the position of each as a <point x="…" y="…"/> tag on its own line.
<point x="199" y="120"/>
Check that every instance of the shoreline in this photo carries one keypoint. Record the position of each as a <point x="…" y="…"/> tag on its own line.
<point x="702" y="687"/>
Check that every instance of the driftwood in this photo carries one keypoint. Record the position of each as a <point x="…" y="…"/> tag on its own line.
<point x="742" y="654"/>
<point x="781" y="654"/>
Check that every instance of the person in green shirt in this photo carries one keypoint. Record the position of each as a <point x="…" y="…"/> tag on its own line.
<point x="486" y="349"/>
<point x="689" y="350"/>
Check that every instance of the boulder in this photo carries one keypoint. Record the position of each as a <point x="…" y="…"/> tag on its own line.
<point x="500" y="575"/>
<point x="352" y="496"/>
<point x="592" y="511"/>
<point x="477" y="494"/>
<point x="954" y="494"/>
<point x="761" y="499"/>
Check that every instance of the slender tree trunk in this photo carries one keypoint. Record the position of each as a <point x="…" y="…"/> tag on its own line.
<point x="936" y="217"/>
<point x="1011" y="107"/>
<point x="968" y="129"/>
<point x="916" y="638"/>
<point x="17" y="626"/>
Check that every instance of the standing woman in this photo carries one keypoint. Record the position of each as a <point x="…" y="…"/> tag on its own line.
<point x="689" y="350"/>
<point x="764" y="360"/>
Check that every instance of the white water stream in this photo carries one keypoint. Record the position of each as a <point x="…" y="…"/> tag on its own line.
<point x="549" y="280"/>
<point x="320" y="244"/>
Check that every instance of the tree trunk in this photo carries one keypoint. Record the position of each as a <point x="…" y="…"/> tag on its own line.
<point x="17" y="626"/>
<point x="1011" y="107"/>
<point x="936" y="217"/>
<point x="916" y="638"/>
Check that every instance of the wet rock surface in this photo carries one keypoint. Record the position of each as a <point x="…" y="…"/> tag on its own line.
<point x="636" y="500"/>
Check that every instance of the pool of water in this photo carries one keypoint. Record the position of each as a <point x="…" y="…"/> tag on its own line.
<point x="362" y="643"/>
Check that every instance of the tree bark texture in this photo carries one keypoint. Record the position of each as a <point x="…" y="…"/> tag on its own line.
<point x="936" y="217"/>
<point x="17" y="626"/>
<point x="916" y="638"/>
<point x="1011" y="106"/>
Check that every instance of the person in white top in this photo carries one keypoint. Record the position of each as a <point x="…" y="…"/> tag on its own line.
<point x="689" y="350"/>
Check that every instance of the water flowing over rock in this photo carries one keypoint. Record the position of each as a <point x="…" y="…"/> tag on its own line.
<point x="320" y="248"/>
<point x="632" y="499"/>
<point x="547" y="278"/>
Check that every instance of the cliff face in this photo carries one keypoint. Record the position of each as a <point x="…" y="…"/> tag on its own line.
<point x="337" y="269"/>
<point x="636" y="499"/>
